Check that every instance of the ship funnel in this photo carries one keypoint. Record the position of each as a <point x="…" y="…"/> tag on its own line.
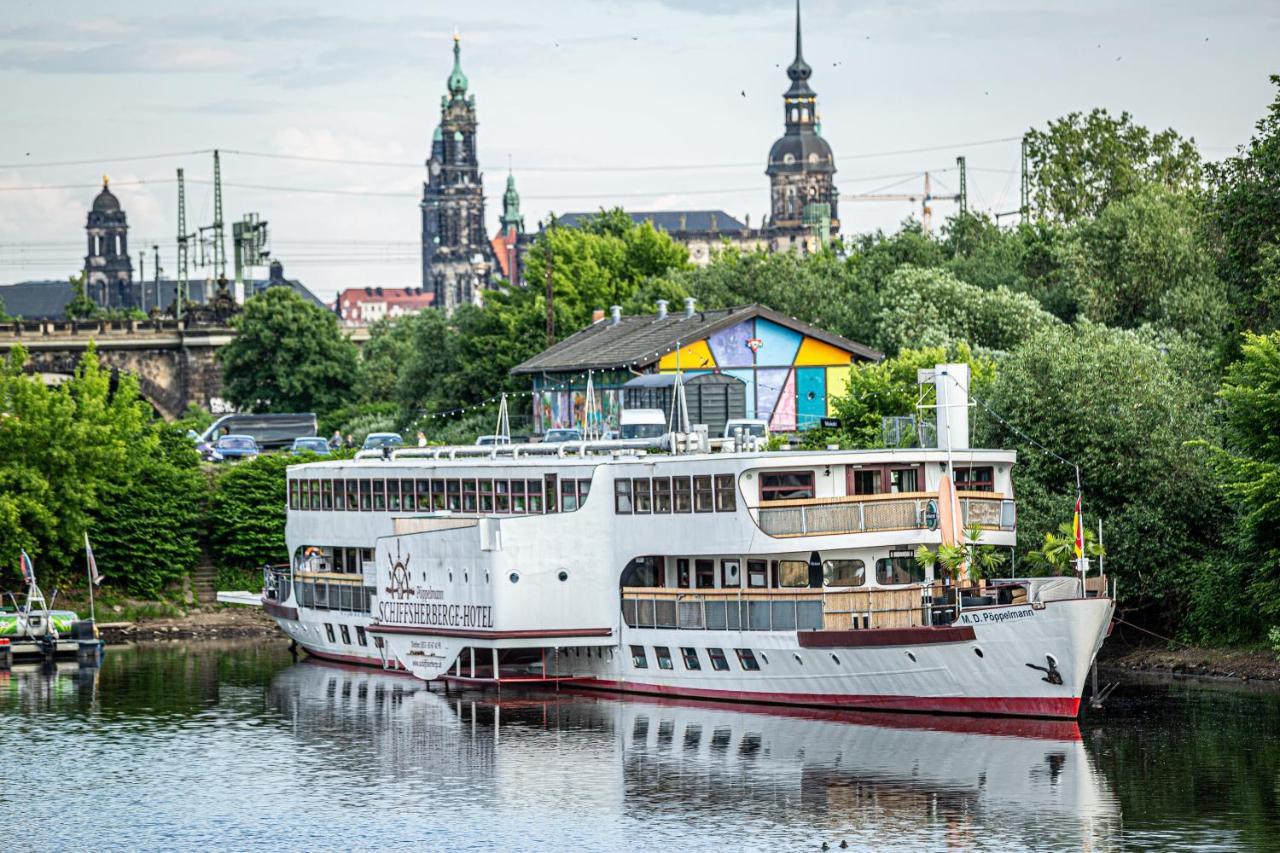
<point x="952" y="384"/>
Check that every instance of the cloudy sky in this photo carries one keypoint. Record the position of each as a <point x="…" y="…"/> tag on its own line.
<point x="651" y="104"/>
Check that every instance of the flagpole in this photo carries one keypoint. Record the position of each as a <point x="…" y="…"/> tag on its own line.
<point x="88" y="570"/>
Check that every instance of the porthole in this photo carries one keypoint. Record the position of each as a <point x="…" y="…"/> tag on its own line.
<point x="466" y="577"/>
<point x="977" y="651"/>
<point x="486" y="576"/>
<point x="836" y="659"/>
<point x="912" y="656"/>
<point x="514" y="577"/>
<point x="798" y="660"/>
<point x="764" y="658"/>
<point x="564" y="576"/>
<point x="451" y="576"/>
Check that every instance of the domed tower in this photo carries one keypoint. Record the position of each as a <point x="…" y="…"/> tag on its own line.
<point x="457" y="260"/>
<point x="801" y="168"/>
<point x="108" y="271"/>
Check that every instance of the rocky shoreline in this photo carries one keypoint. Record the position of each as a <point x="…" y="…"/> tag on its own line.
<point x="219" y="623"/>
<point x="1258" y="665"/>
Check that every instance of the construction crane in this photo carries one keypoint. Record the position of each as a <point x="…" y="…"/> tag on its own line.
<point x="925" y="197"/>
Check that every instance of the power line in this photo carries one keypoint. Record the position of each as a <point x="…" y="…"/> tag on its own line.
<point x="100" y="160"/>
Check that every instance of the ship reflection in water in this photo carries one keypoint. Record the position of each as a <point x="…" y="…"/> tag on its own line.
<point x="587" y="770"/>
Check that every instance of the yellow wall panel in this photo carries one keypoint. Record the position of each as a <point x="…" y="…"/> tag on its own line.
<point x="694" y="356"/>
<point x="814" y="352"/>
<point x="837" y="384"/>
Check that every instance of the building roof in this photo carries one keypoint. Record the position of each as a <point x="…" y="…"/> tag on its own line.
<point x="637" y="342"/>
<point x="671" y="221"/>
<point x="47" y="300"/>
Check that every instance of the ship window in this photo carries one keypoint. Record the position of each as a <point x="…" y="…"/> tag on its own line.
<point x="662" y="494"/>
<point x="423" y="488"/>
<point x="453" y="495"/>
<point x="640" y="492"/>
<point x="792" y="572"/>
<point x="366" y="496"/>
<point x="730" y="573"/>
<point x="643" y="571"/>
<point x="486" y="495"/>
<point x="326" y="494"/>
<point x="718" y="661"/>
<point x="568" y="495"/>
<point x="293" y="494"/>
<point x="535" y="495"/>
<point x="975" y="479"/>
<point x="346" y="635"/>
<point x="438" y="500"/>
<point x="844" y="572"/>
<point x="663" y="654"/>
<point x="705" y="573"/>
<point x="898" y="569"/>
<point x="786" y="485"/>
<point x="682" y="494"/>
<point x="725" y="499"/>
<point x="757" y="574"/>
<point x="469" y="496"/>
<point x="550" y="492"/>
<point x="904" y="480"/>
<point x="353" y="495"/>
<point x="584" y="489"/>
<point x="866" y="482"/>
<point x="408" y="501"/>
<point x="502" y="496"/>
<point x="339" y="494"/>
<point x="747" y="660"/>
<point x="690" y="658"/>
<point x="328" y="629"/>
<point x="379" y="495"/>
<point x="361" y="637"/>
<point x="702" y="495"/>
<point x="393" y="495"/>
<point x="622" y="496"/>
<point x="682" y="573"/>
<point x="638" y="659"/>
<point x="315" y="494"/>
<point x="518" y="505"/>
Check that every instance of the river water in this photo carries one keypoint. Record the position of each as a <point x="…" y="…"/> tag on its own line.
<point x="237" y="747"/>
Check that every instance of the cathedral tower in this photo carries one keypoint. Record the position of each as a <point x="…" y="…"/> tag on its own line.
<point x="108" y="271"/>
<point x="801" y="168"/>
<point x="457" y="259"/>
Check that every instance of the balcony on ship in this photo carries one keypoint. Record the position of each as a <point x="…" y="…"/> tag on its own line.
<point x="877" y="513"/>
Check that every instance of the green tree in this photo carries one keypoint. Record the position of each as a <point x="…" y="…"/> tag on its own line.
<point x="1115" y="404"/>
<point x="931" y="307"/>
<point x="81" y="307"/>
<point x="1143" y="260"/>
<point x="247" y="512"/>
<point x="1081" y="163"/>
<point x="287" y="356"/>
<point x="1244" y="205"/>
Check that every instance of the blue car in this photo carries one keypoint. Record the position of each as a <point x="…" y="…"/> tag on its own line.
<point x="311" y="444"/>
<point x="231" y="447"/>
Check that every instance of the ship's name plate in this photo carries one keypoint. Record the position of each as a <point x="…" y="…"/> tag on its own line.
<point x="988" y="617"/>
<point x="432" y="615"/>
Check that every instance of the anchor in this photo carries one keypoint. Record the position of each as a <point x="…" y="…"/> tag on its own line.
<point x="1051" y="671"/>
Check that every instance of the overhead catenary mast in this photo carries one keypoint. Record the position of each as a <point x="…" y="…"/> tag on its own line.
<point x="182" y="296"/>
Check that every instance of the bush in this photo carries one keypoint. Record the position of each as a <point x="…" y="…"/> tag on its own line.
<point x="247" y="513"/>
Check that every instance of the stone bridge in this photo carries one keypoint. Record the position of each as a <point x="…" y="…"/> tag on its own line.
<point x="175" y="361"/>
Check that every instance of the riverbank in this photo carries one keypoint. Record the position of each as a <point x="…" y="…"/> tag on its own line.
<point x="1252" y="664"/>
<point x="205" y="623"/>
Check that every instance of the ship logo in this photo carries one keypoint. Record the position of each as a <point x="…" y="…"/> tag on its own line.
<point x="399" y="588"/>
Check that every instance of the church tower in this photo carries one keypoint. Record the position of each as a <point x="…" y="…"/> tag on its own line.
<point x="511" y="243"/>
<point x="108" y="271"/>
<point x="457" y="259"/>
<point x="801" y="168"/>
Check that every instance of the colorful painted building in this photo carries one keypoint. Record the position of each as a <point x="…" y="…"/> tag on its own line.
<point x="791" y="370"/>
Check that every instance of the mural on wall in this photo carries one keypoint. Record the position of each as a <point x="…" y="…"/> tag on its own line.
<point x="790" y="377"/>
<point x="565" y="409"/>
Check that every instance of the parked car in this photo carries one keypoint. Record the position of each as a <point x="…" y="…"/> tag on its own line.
<point x="230" y="447"/>
<point x="486" y="440"/>
<point x="310" y="444"/>
<point x="379" y="440"/>
<point x="269" y="431"/>
<point x="560" y="436"/>
<point x="749" y="426"/>
<point x="643" y="423"/>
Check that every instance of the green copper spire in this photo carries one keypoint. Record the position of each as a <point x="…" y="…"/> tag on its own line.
<point x="457" y="80"/>
<point x="511" y="206"/>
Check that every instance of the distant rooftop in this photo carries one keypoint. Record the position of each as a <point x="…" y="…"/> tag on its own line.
<point x="671" y="221"/>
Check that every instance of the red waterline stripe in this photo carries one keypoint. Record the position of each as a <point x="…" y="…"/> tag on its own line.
<point x="884" y="637"/>
<point x="490" y="635"/>
<point x="1015" y="706"/>
<point x="354" y="659"/>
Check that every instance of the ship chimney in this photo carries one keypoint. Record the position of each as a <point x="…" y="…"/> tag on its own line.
<point x="662" y="309"/>
<point x="689" y="302"/>
<point x="615" y="313"/>
<point x="952" y="384"/>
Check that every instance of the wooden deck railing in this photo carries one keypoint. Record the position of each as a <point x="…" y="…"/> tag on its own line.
<point x="873" y="513"/>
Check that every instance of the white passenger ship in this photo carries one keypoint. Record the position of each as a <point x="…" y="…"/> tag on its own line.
<point x="785" y="577"/>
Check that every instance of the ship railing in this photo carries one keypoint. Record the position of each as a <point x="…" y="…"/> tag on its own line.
<point x="875" y="513"/>
<point x="277" y="582"/>
<point x="332" y="591"/>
